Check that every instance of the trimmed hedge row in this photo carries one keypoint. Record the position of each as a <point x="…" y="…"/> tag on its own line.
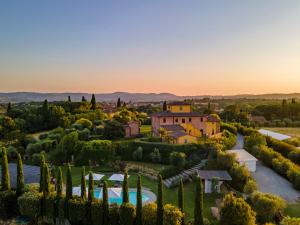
<point x="275" y="161"/>
<point x="285" y="149"/>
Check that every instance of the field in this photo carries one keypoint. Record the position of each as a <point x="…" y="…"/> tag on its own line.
<point x="170" y="195"/>
<point x="291" y="131"/>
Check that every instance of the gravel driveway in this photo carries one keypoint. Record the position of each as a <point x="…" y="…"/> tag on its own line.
<point x="270" y="182"/>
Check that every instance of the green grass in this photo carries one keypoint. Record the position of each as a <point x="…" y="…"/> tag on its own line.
<point x="291" y="131"/>
<point x="293" y="210"/>
<point x="158" y="167"/>
<point x="170" y="195"/>
<point x="145" y="129"/>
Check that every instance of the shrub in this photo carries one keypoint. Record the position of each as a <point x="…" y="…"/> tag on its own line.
<point x="268" y="207"/>
<point x="127" y="214"/>
<point x="49" y="206"/>
<point x="8" y="204"/>
<point x="84" y="123"/>
<point x="290" y="221"/>
<point x="250" y="187"/>
<point x="96" y="212"/>
<point x="177" y="159"/>
<point x="149" y="214"/>
<point x="138" y="154"/>
<point x="77" y="210"/>
<point x="30" y="205"/>
<point x="172" y="215"/>
<point x="170" y="171"/>
<point x="235" y="211"/>
<point x="114" y="217"/>
<point x="155" y="156"/>
<point x="229" y="127"/>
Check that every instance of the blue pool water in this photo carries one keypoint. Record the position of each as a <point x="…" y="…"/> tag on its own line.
<point x="132" y="197"/>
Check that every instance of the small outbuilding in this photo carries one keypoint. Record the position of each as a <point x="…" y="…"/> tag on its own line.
<point x="245" y="158"/>
<point x="219" y="176"/>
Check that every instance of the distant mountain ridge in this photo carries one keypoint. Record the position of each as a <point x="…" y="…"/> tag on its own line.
<point x="18" y="97"/>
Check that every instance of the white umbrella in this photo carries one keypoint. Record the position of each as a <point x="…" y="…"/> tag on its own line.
<point x="114" y="192"/>
<point x="95" y="176"/>
<point x="117" y="177"/>
<point x="77" y="191"/>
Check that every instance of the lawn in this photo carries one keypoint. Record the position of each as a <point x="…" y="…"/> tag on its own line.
<point x="145" y="129"/>
<point x="170" y="195"/>
<point x="291" y="131"/>
<point x="293" y="210"/>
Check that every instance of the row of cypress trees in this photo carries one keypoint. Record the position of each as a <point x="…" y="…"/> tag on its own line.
<point x="45" y="189"/>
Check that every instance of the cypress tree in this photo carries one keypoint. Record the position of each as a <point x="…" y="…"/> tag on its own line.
<point x="139" y="202"/>
<point x="59" y="184"/>
<point x="105" y="204"/>
<point x="181" y="199"/>
<point x="165" y="106"/>
<point x="198" y="213"/>
<point x="93" y="102"/>
<point x="42" y="163"/>
<point x="119" y="103"/>
<point x="69" y="190"/>
<point x="160" y="205"/>
<point x="8" y="108"/>
<point x="69" y="99"/>
<point x="5" y="179"/>
<point x="125" y="189"/>
<point x="91" y="187"/>
<point x="83" y="99"/>
<point x="46" y="180"/>
<point x="83" y="184"/>
<point x="20" y="176"/>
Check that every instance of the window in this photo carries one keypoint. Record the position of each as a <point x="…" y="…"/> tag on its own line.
<point x="190" y="119"/>
<point x="201" y="119"/>
<point x="180" y="108"/>
<point x="164" y="120"/>
<point x="176" y="120"/>
<point x="213" y="132"/>
<point x="185" y="141"/>
<point x="183" y="120"/>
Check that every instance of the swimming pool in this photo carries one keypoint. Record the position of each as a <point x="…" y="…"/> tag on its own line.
<point x="115" y="195"/>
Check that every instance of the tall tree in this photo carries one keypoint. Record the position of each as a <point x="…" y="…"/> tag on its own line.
<point x="198" y="213"/>
<point x="83" y="184"/>
<point x="93" y="102"/>
<point x="105" y="204"/>
<point x="5" y="179"/>
<point x="119" y="103"/>
<point x="69" y="186"/>
<point x="181" y="199"/>
<point x="125" y="189"/>
<point x="46" y="180"/>
<point x="165" y="106"/>
<point x="59" y="184"/>
<point x="160" y="204"/>
<point x="42" y="164"/>
<point x="69" y="99"/>
<point x="284" y="108"/>
<point x="83" y="99"/>
<point x="139" y="202"/>
<point x="91" y="187"/>
<point x="20" y="177"/>
<point x="8" y="110"/>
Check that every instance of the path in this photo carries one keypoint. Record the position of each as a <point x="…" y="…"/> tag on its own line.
<point x="268" y="181"/>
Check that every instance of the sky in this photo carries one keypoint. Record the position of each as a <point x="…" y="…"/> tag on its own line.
<point x="190" y="47"/>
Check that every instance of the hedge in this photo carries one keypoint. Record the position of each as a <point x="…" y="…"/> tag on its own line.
<point x="127" y="214"/>
<point x="8" y="204"/>
<point x="125" y="149"/>
<point x="78" y="210"/>
<point x="96" y="212"/>
<point x="226" y="126"/>
<point x="30" y="205"/>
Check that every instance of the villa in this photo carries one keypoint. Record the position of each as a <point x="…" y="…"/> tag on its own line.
<point x="181" y="126"/>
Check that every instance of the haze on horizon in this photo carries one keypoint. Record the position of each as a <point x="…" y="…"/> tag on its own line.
<point x="182" y="47"/>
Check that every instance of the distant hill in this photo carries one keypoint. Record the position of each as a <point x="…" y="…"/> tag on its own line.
<point x="125" y="96"/>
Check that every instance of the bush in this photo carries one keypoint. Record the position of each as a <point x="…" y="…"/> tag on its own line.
<point x="84" y="123"/>
<point x="8" y="204"/>
<point x="96" y="213"/>
<point x="30" y="205"/>
<point x="155" y="156"/>
<point x="127" y="214"/>
<point x="149" y="214"/>
<point x="49" y="206"/>
<point x="172" y="215"/>
<point x="138" y="154"/>
<point x="268" y="207"/>
<point x="229" y="127"/>
<point x="77" y="210"/>
<point x="114" y="217"/>
<point x="170" y="172"/>
<point x="177" y="159"/>
<point x="290" y="221"/>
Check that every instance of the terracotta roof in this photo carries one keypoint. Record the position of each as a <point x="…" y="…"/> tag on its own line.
<point x="178" y="134"/>
<point x="209" y="174"/>
<point x="168" y="113"/>
<point x="179" y="103"/>
<point x="173" y="127"/>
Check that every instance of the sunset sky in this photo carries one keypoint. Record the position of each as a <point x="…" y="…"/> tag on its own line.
<point x="187" y="47"/>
